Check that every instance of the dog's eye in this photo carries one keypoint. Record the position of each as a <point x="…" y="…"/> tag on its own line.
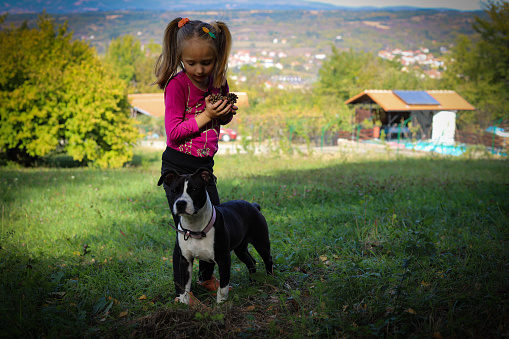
<point x="174" y="191"/>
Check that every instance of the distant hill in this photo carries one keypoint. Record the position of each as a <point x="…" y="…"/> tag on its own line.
<point x="80" y="6"/>
<point x="66" y="6"/>
<point x="297" y="40"/>
<point x="293" y="32"/>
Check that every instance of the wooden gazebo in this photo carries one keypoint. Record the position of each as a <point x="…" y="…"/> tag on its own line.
<point x="390" y="107"/>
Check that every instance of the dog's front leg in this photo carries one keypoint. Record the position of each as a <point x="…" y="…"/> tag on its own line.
<point x="224" y="279"/>
<point x="182" y="275"/>
<point x="186" y="296"/>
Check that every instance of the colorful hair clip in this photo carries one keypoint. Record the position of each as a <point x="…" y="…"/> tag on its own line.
<point x="183" y="22"/>
<point x="206" y="30"/>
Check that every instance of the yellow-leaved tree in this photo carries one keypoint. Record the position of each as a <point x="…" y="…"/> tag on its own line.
<point x="56" y="96"/>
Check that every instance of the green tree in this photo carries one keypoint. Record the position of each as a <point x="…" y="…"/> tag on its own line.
<point x="348" y="73"/>
<point x="122" y="54"/>
<point x="133" y="63"/>
<point x="58" y="97"/>
<point x="340" y="74"/>
<point x="494" y="43"/>
<point x="479" y="69"/>
<point x="144" y="70"/>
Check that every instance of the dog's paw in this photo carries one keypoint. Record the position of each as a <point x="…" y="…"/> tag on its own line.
<point x="222" y="294"/>
<point x="184" y="298"/>
<point x="189" y="299"/>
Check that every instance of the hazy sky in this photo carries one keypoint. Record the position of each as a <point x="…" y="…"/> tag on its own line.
<point x="465" y="5"/>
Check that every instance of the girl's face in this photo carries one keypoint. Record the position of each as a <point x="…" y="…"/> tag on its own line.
<point x="199" y="61"/>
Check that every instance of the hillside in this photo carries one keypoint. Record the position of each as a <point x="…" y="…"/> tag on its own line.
<point x="65" y="6"/>
<point x="312" y="31"/>
<point x="292" y="39"/>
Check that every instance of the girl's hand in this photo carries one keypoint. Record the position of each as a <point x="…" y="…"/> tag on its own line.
<point x="219" y="110"/>
<point x="216" y="110"/>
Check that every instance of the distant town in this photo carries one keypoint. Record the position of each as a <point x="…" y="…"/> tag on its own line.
<point x="420" y="58"/>
<point x="309" y="64"/>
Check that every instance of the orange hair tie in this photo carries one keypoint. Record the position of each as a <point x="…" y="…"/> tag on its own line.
<point x="183" y="22"/>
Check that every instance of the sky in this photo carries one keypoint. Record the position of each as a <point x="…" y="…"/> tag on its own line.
<point x="464" y="5"/>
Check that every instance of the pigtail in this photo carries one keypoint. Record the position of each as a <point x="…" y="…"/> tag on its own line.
<point x="168" y="62"/>
<point x="223" y="42"/>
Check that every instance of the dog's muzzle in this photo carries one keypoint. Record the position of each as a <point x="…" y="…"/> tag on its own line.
<point x="182" y="206"/>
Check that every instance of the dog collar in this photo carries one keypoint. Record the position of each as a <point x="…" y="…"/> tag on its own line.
<point x="198" y="235"/>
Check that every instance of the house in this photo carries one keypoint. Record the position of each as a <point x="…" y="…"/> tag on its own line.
<point x="152" y="104"/>
<point x="434" y="111"/>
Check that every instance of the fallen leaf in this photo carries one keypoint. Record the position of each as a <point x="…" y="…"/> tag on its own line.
<point x="249" y="308"/>
<point x="273" y="299"/>
<point x="323" y="258"/>
<point x="437" y="335"/>
<point x="143" y="297"/>
<point x="115" y="301"/>
<point x="123" y="314"/>
<point x="411" y="311"/>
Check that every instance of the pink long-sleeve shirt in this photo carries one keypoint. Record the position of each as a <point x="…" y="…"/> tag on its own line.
<point x="183" y="102"/>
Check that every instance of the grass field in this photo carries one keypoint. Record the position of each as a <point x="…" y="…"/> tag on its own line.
<point x="364" y="246"/>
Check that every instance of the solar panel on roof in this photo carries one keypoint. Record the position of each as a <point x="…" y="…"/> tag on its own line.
<point x="416" y="98"/>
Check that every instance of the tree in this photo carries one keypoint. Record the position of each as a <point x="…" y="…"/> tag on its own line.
<point x="144" y="70"/>
<point x="347" y="73"/>
<point x="340" y="74"/>
<point x="58" y="97"/>
<point x="133" y="64"/>
<point x="479" y="69"/>
<point x="494" y="43"/>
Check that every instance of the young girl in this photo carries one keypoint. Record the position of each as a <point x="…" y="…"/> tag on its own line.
<point x="191" y="67"/>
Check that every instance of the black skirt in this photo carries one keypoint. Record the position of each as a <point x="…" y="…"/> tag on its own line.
<point x="184" y="163"/>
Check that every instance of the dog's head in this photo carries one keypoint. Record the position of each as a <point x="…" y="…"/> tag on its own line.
<point x="187" y="193"/>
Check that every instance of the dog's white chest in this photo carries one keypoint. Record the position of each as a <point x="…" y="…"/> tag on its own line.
<point x="202" y="248"/>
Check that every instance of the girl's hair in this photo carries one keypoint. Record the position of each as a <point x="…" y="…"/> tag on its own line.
<point x="169" y="62"/>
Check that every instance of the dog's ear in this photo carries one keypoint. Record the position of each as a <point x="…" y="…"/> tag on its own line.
<point x="205" y="175"/>
<point x="168" y="177"/>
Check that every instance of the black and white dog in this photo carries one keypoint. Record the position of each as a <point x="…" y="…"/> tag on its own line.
<point x="210" y="233"/>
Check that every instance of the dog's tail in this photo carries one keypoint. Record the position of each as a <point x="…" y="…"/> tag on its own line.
<point x="257" y="206"/>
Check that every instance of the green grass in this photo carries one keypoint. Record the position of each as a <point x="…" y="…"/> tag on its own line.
<point x="364" y="246"/>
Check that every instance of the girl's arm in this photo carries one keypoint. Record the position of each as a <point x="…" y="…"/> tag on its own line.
<point x="178" y="129"/>
<point x="175" y="105"/>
